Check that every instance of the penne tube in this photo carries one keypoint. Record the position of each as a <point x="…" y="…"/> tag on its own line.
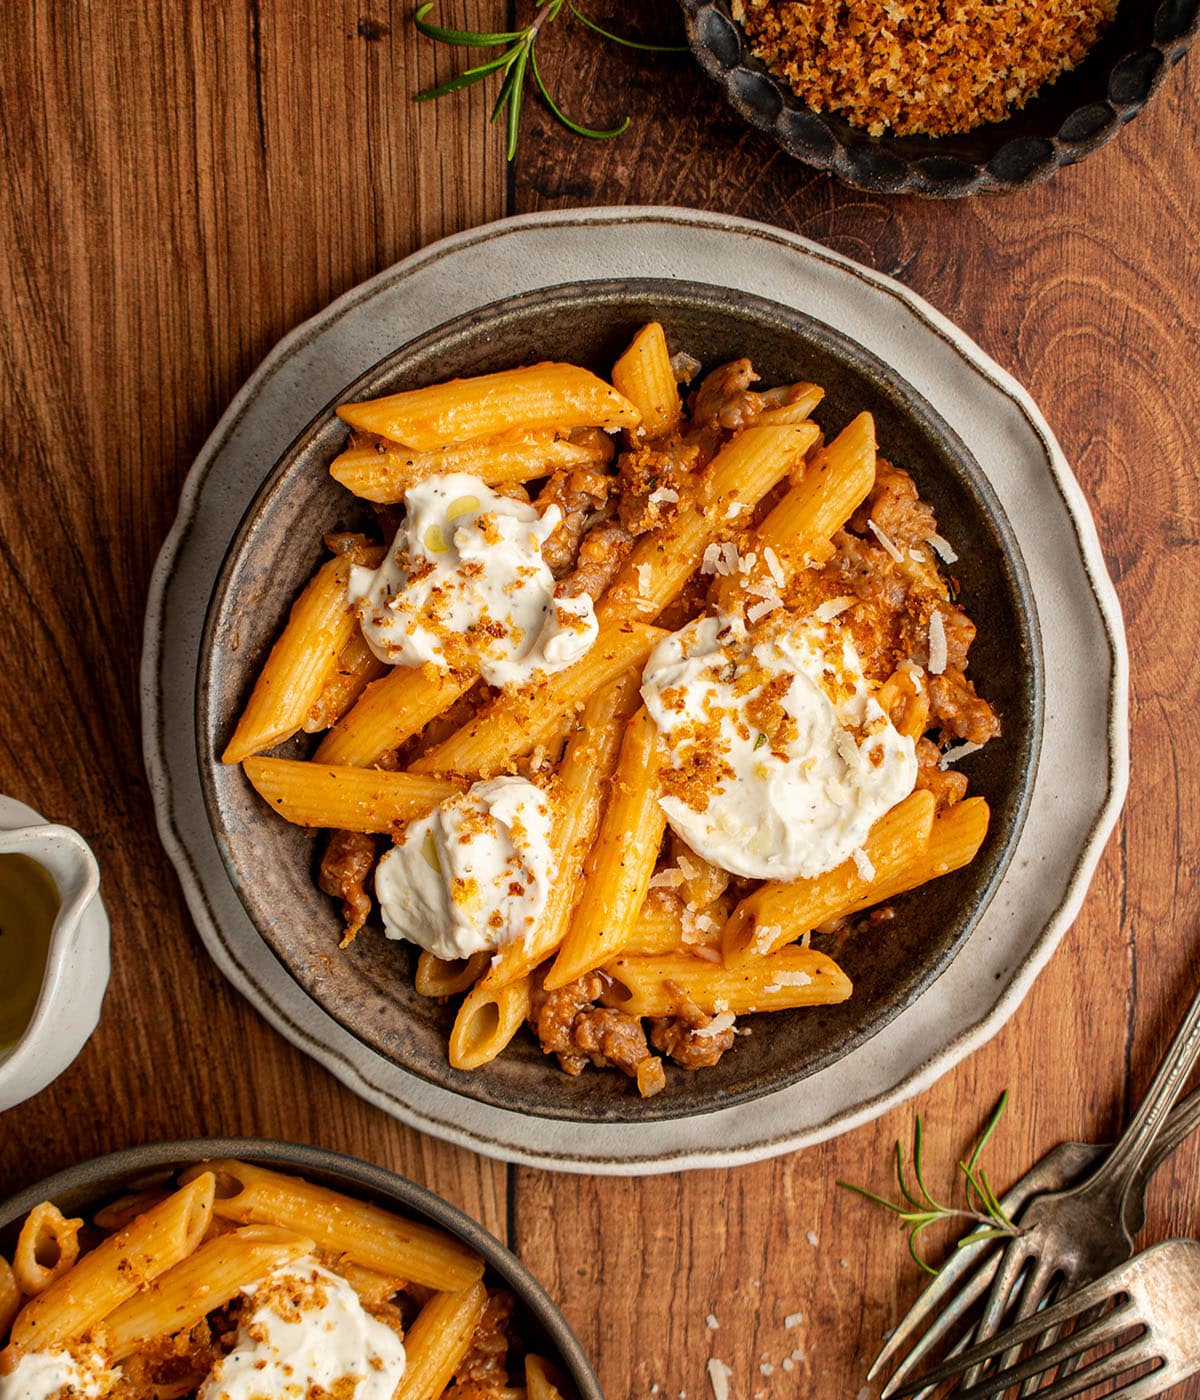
<point x="733" y="483"/>
<point x="619" y="867"/>
<point x="347" y="799"/>
<point x="578" y="800"/>
<point x="389" y="711"/>
<point x="487" y="1020"/>
<point x="373" y="1288"/>
<point x="644" y="375"/>
<point x="791" y="977"/>
<point x="797" y="529"/>
<point x="438" y="1340"/>
<point x="957" y="835"/>
<point x="659" y="926"/>
<point x="442" y="977"/>
<point x="544" y="1381"/>
<point x="519" y="720"/>
<point x="372" y="1237"/>
<point x="10" y="1297"/>
<point x="779" y="912"/>
<point x="384" y="471"/>
<point x="47" y="1247"/>
<point x="531" y="399"/>
<point x="356" y="668"/>
<point x="207" y="1279"/>
<point x="112" y="1272"/>
<point x="805" y="398"/>
<point x="117" y="1214"/>
<point x="299" y="665"/>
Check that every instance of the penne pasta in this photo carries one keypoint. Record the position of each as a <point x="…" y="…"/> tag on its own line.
<point x="207" y="1279"/>
<point x="779" y="912"/>
<point x="618" y="870"/>
<point x="300" y="664"/>
<point x="438" y="1340"/>
<point x="532" y="399"/>
<point x="349" y="799"/>
<point x="439" y="977"/>
<point x="390" y="711"/>
<point x="10" y="1296"/>
<point x="660" y="926"/>
<point x="583" y="778"/>
<point x="544" y="1381"/>
<point x="115" y="1270"/>
<point x="356" y="668"/>
<point x="47" y="1247"/>
<point x="519" y="720"/>
<point x="374" y="1238"/>
<point x="954" y="842"/>
<point x="662" y="561"/>
<point x="644" y="375"/>
<point x="805" y="397"/>
<point x="657" y="986"/>
<point x="487" y="1020"/>
<point x="384" y="471"/>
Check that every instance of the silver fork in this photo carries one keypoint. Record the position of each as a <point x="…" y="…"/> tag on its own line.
<point x="1154" y="1319"/>
<point x="965" y="1279"/>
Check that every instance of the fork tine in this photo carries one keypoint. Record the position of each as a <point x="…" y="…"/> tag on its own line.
<point x="1022" y="1332"/>
<point x="973" y="1289"/>
<point x="1049" y="1337"/>
<point x="1010" y="1273"/>
<point x="999" y="1382"/>
<point x="1035" y="1294"/>
<point x="1105" y="1368"/>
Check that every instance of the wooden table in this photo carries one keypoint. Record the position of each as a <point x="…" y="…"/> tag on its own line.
<point x="183" y="184"/>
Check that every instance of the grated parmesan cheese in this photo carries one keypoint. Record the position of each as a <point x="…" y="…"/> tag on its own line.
<point x="862" y="863"/>
<point x="722" y="1022"/>
<point x="774" y="567"/>
<point x="668" y="879"/>
<point x="718" y="1378"/>
<point x="937" y="644"/>
<point x="711" y="1322"/>
<point x="708" y="564"/>
<point x="729" y="558"/>
<point x="886" y="541"/>
<point x="942" y="547"/>
<point x="831" y="608"/>
<point x="954" y="754"/>
<point x="708" y="954"/>
<point x="759" y="610"/>
<point x="793" y="1320"/>
<point x="643" y="572"/>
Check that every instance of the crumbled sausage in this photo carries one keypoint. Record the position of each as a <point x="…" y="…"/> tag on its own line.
<point x="570" y="1025"/>
<point x="956" y="707"/>
<point x="579" y="492"/>
<point x="602" y="551"/>
<point x="345" y="868"/>
<point x="485" y="1361"/>
<point x="677" y="1036"/>
<point x="896" y="508"/>
<point x="948" y="785"/>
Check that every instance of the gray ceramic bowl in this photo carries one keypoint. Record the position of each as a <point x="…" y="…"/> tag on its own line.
<point x="368" y="988"/>
<point x="1065" y="121"/>
<point x="83" y="1189"/>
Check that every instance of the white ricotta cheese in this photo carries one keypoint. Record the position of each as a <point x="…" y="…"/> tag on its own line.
<point x="779" y="759"/>
<point x="38" y="1375"/>
<point x="464" y="585"/>
<point x="308" y="1329"/>
<point x="472" y="874"/>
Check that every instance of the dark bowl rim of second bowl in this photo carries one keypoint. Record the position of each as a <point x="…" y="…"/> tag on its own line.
<point x="379" y="1185"/>
<point x="858" y="159"/>
<point x="371" y="383"/>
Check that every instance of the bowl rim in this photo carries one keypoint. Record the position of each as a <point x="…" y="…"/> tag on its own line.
<point x="920" y="176"/>
<point x="755" y="1086"/>
<point x="380" y="1183"/>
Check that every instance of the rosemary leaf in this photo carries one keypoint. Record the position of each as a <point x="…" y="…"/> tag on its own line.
<point x="464" y="38"/>
<point x="602" y="134"/>
<point x="472" y="75"/>
<point x="620" y="39"/>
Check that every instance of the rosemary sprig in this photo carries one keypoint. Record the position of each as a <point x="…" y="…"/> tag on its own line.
<point x="518" y="60"/>
<point x="918" y="1212"/>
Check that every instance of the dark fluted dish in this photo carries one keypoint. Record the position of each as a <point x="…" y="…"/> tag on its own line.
<point x="1065" y="121"/>
<point x="83" y="1189"/>
<point x="368" y="987"/>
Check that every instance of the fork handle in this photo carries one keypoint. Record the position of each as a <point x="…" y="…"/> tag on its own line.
<point x="1122" y="1164"/>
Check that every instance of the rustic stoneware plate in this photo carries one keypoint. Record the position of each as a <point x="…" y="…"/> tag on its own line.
<point x="1064" y="122"/>
<point x="1075" y="796"/>
<point x="83" y="1189"/>
<point x="368" y="987"/>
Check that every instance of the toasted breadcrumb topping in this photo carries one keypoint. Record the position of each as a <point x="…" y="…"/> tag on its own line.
<point x="935" y="67"/>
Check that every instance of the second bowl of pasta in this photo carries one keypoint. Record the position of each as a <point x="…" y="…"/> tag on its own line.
<point x="588" y="688"/>
<point x="244" y="1267"/>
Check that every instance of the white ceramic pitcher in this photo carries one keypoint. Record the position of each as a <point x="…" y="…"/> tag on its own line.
<point x="77" y="960"/>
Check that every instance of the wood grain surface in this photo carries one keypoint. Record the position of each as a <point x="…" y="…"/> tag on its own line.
<point x="181" y="185"/>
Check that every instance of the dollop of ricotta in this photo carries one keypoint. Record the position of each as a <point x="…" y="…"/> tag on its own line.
<point x="464" y="585"/>
<point x="779" y="759"/>
<point x="473" y="873"/>
<point x="308" y="1328"/>
<point x="39" y="1375"/>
